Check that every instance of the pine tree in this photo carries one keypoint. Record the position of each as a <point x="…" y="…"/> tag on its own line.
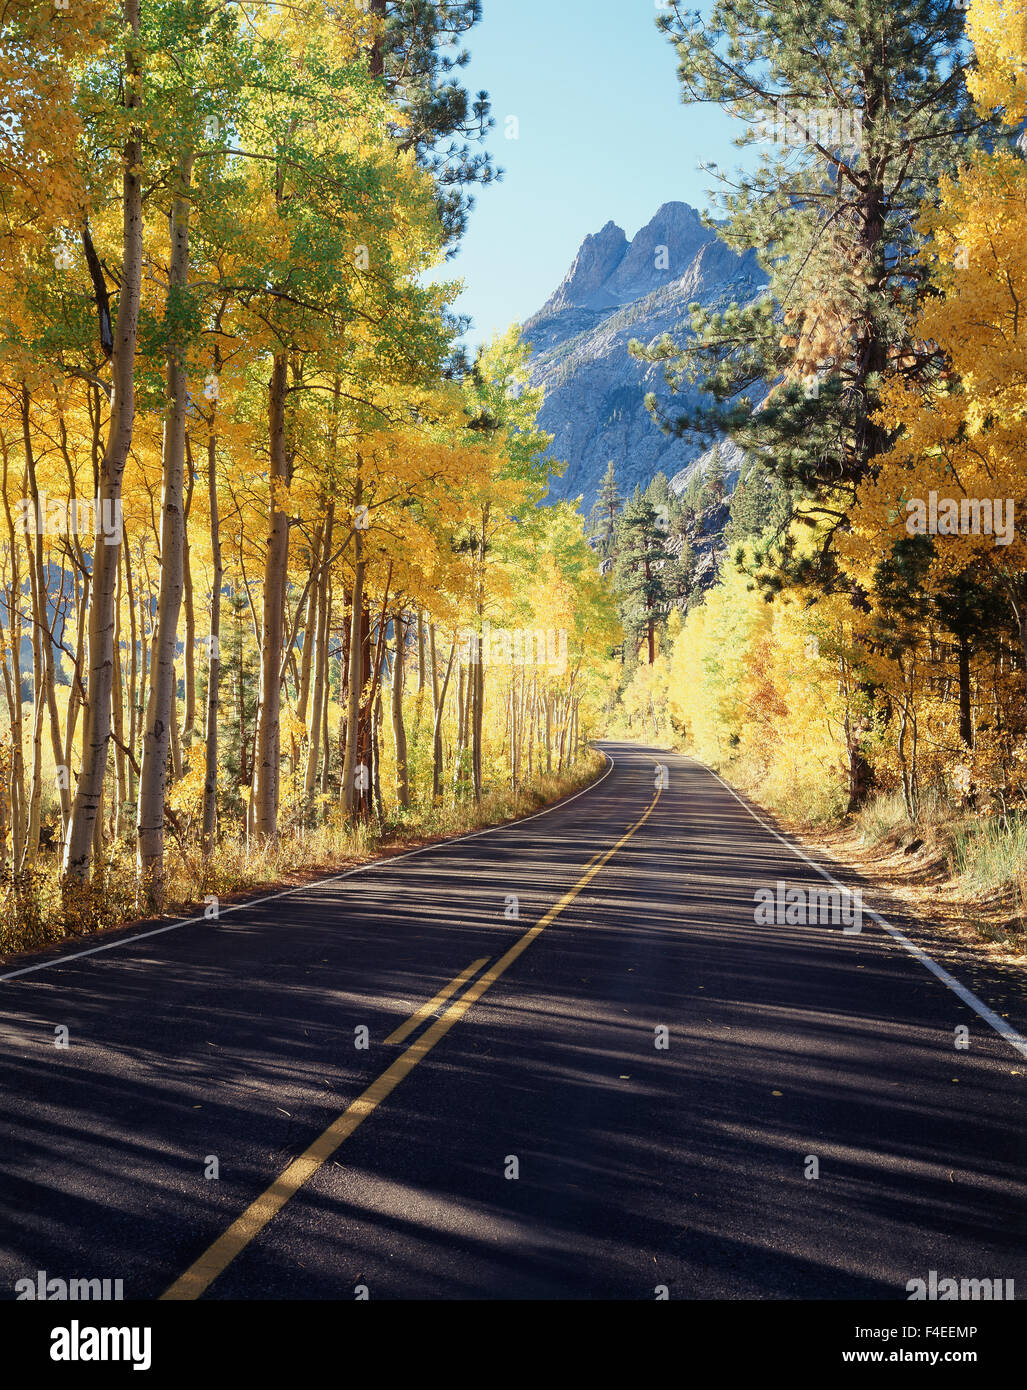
<point x="603" y="516"/>
<point x="713" y="488"/>
<point x="442" y="120"/>
<point x="639" y="577"/>
<point x="870" y="95"/>
<point x="760" y="503"/>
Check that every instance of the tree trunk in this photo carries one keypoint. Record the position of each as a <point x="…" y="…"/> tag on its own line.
<point x="320" y="642"/>
<point x="144" y="669"/>
<point x="160" y="708"/>
<point x="355" y="683"/>
<point x="966" y="728"/>
<point x="433" y="652"/>
<point x="326" y="762"/>
<point x="310" y="616"/>
<point x="38" y="707"/>
<point x="399" y="733"/>
<point x="268" y="743"/>
<point x="860" y="779"/>
<point x="133" y="670"/>
<point x="189" y="712"/>
<point x="478" y="673"/>
<point x="210" y="727"/>
<point x="38" y="590"/>
<point x="532" y="723"/>
<point x="117" y="709"/>
<point x="366" y="731"/>
<point x="440" y="703"/>
<point x="96" y="730"/>
<point x="477" y="712"/>
<point x="176" y="743"/>
<point x="461" y="726"/>
<point x="13" y="685"/>
<point x="376" y="754"/>
<point x="563" y="732"/>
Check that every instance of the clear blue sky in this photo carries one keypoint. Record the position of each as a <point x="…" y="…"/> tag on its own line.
<point x="603" y="136"/>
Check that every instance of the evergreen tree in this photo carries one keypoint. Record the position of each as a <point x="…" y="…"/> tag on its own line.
<point x="659" y="492"/>
<point x="443" y="121"/>
<point x="761" y="503"/>
<point x="603" y="516"/>
<point x="713" y="488"/>
<point x="868" y="101"/>
<point x="639" y="577"/>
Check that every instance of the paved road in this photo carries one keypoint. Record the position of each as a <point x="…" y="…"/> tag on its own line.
<point x="639" y="1166"/>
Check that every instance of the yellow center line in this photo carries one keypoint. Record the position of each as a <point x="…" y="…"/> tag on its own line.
<point x="217" y="1257"/>
<point x="416" y="1019"/>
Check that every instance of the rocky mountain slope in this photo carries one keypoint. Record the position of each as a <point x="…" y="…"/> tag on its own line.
<point x="617" y="290"/>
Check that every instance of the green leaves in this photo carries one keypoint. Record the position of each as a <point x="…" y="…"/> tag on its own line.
<point x="866" y="99"/>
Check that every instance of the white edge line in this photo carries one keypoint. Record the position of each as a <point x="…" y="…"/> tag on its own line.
<point x="317" y="883"/>
<point x="1002" y="1028"/>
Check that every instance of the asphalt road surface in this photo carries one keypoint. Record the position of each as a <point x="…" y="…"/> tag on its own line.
<point x="530" y="1136"/>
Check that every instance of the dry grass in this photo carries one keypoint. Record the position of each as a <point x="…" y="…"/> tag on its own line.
<point x="35" y="912"/>
<point x="965" y="875"/>
<point x="962" y="875"/>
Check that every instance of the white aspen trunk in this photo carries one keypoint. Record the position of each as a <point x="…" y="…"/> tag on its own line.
<point x="96" y="731"/>
<point x="13" y="688"/>
<point x="210" y="727"/>
<point x="35" y="777"/>
<point x="357" y="675"/>
<point x="309" y="628"/>
<point x="176" y="744"/>
<point x="399" y="733"/>
<point x="132" y="666"/>
<point x="320" y="642"/>
<point x="144" y="667"/>
<point x="14" y="775"/>
<point x="549" y="731"/>
<point x="478" y="674"/>
<point x="531" y="726"/>
<point x="326" y="761"/>
<point x="160" y="708"/>
<point x="440" y="704"/>
<point x="38" y="592"/>
<point x="187" y="727"/>
<point x="117" y="706"/>
<point x="267" y="755"/>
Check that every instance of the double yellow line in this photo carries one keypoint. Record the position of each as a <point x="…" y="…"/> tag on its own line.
<point x="217" y="1257"/>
